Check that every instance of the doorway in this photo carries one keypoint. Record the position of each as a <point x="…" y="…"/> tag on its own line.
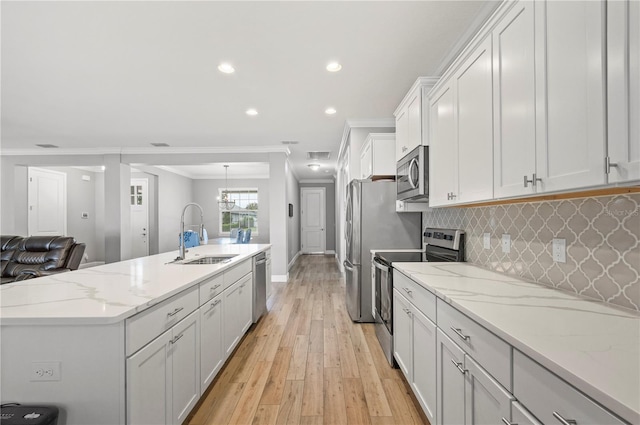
<point x="139" y="202"/>
<point x="47" y="195"/>
<point x="313" y="220"/>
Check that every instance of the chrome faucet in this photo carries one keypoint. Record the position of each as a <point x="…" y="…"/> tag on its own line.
<point x="181" y="249"/>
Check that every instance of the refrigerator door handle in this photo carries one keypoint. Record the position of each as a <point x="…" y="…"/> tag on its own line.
<point x="347" y="266"/>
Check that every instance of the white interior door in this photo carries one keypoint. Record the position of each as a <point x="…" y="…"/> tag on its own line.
<point x="139" y="201"/>
<point x="47" y="194"/>
<point x="313" y="218"/>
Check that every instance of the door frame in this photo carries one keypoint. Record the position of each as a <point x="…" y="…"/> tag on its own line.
<point x="324" y="217"/>
<point x="64" y="197"/>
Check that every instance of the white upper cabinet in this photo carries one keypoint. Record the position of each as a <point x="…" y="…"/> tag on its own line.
<point x="623" y="90"/>
<point x="570" y="74"/>
<point x="474" y="106"/>
<point x="411" y="123"/>
<point x="515" y="101"/>
<point x="443" y="150"/>
<point x="377" y="156"/>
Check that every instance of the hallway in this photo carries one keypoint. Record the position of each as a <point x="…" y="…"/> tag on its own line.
<point x="306" y="362"/>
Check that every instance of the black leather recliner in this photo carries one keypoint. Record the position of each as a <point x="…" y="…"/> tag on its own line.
<point x="35" y="256"/>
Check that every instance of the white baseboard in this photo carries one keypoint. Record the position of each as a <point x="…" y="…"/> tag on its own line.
<point x="279" y="277"/>
<point x="91" y="264"/>
<point x="293" y="260"/>
<point x="329" y="252"/>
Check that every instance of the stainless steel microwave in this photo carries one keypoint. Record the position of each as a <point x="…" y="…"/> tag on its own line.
<point x="412" y="175"/>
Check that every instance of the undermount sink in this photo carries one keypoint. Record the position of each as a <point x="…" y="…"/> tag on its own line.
<point x="213" y="259"/>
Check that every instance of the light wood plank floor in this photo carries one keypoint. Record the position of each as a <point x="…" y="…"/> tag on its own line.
<point x="306" y="362"/>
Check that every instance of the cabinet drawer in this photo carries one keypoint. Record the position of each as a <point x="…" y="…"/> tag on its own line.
<point x="484" y="347"/>
<point x="145" y="326"/>
<point x="232" y="275"/>
<point x="419" y="296"/>
<point x="544" y="393"/>
<point x="521" y="416"/>
<point x="211" y="287"/>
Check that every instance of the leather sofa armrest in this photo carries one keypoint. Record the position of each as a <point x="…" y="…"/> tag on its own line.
<point x="41" y="273"/>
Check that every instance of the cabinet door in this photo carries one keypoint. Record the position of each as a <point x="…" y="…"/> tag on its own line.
<point x="414" y="124"/>
<point x="366" y="161"/>
<point x="185" y="358"/>
<point x="231" y="320"/>
<point x="623" y="89"/>
<point x="486" y="402"/>
<point x="245" y="304"/>
<point x="474" y="108"/>
<point x="521" y="416"/>
<point x="443" y="148"/>
<point x="570" y="49"/>
<point x="402" y="132"/>
<point x="149" y="383"/>
<point x="515" y="101"/>
<point x="211" y="346"/>
<point x="424" y="367"/>
<point x="402" y="330"/>
<point x="450" y="382"/>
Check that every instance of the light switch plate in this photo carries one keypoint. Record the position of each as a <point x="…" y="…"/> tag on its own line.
<point x="559" y="250"/>
<point x="487" y="240"/>
<point x="506" y="243"/>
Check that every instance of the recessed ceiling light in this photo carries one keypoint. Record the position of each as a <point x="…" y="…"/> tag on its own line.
<point x="226" y="68"/>
<point x="330" y="111"/>
<point x="314" y="167"/>
<point x="47" y="145"/>
<point x="252" y="112"/>
<point x="102" y="167"/>
<point x="334" y="67"/>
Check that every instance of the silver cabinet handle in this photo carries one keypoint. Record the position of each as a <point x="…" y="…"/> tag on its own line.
<point x="243" y="285"/>
<point x="608" y="164"/>
<point x="564" y="421"/>
<point x="174" y="312"/>
<point x="506" y="422"/>
<point x="406" y="310"/>
<point x="408" y="291"/>
<point x="459" y="366"/>
<point x="215" y="303"/>
<point x="534" y="180"/>
<point x="458" y="332"/>
<point x="174" y="340"/>
<point x="526" y="181"/>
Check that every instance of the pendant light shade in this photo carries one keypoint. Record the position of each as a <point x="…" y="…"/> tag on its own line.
<point x="225" y="204"/>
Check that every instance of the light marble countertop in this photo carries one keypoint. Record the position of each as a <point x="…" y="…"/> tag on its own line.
<point x="593" y="346"/>
<point x="112" y="292"/>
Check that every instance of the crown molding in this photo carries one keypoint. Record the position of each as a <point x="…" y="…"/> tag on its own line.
<point x="145" y="151"/>
<point x="316" y="181"/>
<point x="58" y="151"/>
<point x="371" y="122"/>
<point x="420" y="82"/>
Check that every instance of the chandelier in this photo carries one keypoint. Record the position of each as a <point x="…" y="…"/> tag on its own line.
<point x="224" y="203"/>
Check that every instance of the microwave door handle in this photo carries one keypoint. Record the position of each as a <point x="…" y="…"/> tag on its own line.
<point x="412" y="164"/>
<point x="381" y="266"/>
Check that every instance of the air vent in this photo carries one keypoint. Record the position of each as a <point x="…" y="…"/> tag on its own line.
<point x="318" y="155"/>
<point x="160" y="145"/>
<point x="289" y="142"/>
<point x="47" y="146"/>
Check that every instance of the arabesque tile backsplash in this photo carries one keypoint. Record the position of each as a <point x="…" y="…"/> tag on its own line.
<point x="602" y="239"/>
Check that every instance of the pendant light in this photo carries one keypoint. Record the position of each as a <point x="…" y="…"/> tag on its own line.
<point x="225" y="204"/>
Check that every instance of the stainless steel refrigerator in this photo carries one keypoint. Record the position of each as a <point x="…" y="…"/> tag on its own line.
<point x="373" y="223"/>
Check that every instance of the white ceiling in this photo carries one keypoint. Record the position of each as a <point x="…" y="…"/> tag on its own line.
<point x="127" y="74"/>
<point x="239" y="170"/>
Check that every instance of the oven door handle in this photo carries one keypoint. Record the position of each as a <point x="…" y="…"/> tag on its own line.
<point x="381" y="266"/>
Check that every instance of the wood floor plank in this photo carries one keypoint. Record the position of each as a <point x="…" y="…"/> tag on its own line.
<point x="373" y="390"/>
<point x="223" y="407"/>
<point x="266" y="415"/>
<point x="356" y="402"/>
<point x="348" y="362"/>
<point x="401" y="409"/>
<point x="298" y="363"/>
<point x="335" y="411"/>
<point x="254" y="352"/>
<point x="331" y="350"/>
<point x="311" y="420"/>
<point x="316" y="337"/>
<point x="385" y="371"/>
<point x="274" y="387"/>
<point x="291" y="406"/>
<point x="313" y="398"/>
<point x="273" y="342"/>
<point x="248" y="403"/>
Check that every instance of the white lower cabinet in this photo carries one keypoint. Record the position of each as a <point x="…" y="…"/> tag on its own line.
<point x="163" y="378"/>
<point x="236" y="312"/>
<point x="402" y="330"/>
<point x="521" y="416"/>
<point x="211" y="345"/>
<point x="424" y="363"/>
<point x="486" y="401"/>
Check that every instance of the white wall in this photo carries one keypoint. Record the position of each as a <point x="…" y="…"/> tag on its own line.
<point x="205" y="192"/>
<point x="293" y="223"/>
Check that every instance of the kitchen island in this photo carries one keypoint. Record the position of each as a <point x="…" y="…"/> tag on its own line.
<point x="540" y="349"/>
<point x="106" y="343"/>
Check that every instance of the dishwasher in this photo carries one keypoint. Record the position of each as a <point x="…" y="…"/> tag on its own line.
<point x="259" y="286"/>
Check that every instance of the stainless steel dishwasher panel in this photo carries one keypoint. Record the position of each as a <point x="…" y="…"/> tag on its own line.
<point x="259" y="286"/>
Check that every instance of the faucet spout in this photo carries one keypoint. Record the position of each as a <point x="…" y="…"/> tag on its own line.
<point x="181" y="248"/>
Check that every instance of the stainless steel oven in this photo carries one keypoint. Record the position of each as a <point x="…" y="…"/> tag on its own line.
<point x="445" y="245"/>
<point x="412" y="175"/>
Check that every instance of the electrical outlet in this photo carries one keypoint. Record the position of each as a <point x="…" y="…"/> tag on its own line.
<point x="559" y="250"/>
<point x="506" y="243"/>
<point x="45" y="371"/>
<point x="487" y="240"/>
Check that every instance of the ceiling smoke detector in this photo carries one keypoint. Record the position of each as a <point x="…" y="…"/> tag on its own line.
<point x="318" y="155"/>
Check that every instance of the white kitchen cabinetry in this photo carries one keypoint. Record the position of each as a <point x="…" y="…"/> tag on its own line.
<point x="549" y="398"/>
<point x="514" y="85"/>
<point x="236" y="312"/>
<point x="424" y="362"/>
<point x="163" y="378"/>
<point x="402" y="332"/>
<point x="570" y="75"/>
<point x="212" y="353"/>
<point x="377" y="155"/>
<point x="623" y="90"/>
<point x="411" y="123"/>
<point x="521" y="416"/>
<point x="486" y="402"/>
<point x="461" y="155"/>
<point x="450" y="376"/>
